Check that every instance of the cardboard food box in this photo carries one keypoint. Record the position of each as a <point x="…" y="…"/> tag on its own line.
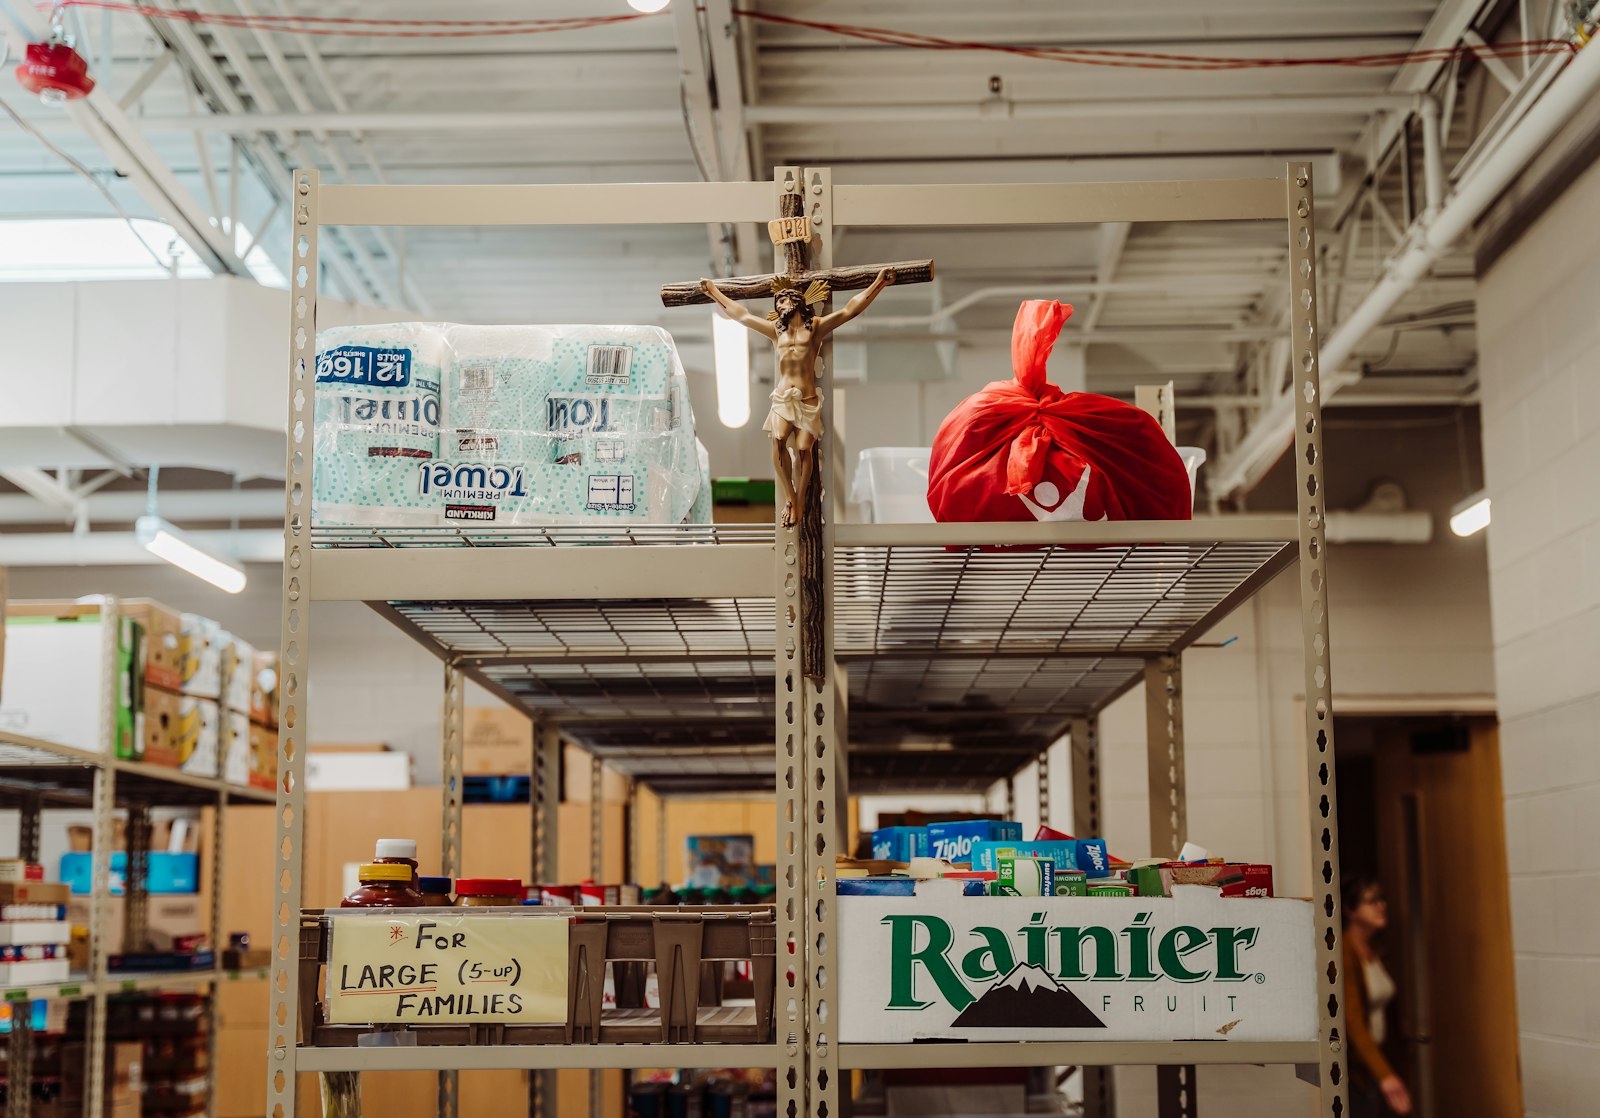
<point x="53" y="686"/>
<point x="238" y="666"/>
<point x="264" y="689"/>
<point x="163" y="641"/>
<point x="199" y="735"/>
<point x="952" y="841"/>
<point x="33" y="892"/>
<point x="200" y="656"/>
<point x="236" y="731"/>
<point x="263" y="757"/>
<point x="498" y="741"/>
<point x="169" y="919"/>
<point x="160" y="727"/>
<point x="1087" y="855"/>
<point x="899" y="844"/>
<point x="1193" y="966"/>
<point x="1234" y="879"/>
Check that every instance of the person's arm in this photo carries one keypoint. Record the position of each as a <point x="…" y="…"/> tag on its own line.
<point x="827" y="324"/>
<point x="738" y="313"/>
<point x="1358" y="1033"/>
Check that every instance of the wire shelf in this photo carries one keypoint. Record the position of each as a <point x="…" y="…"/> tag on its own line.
<point x="963" y="662"/>
<point x="553" y="535"/>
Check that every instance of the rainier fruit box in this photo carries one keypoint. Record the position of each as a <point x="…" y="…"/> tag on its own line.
<point x="1193" y="966"/>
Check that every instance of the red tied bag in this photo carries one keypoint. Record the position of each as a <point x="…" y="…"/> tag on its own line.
<point x="1023" y="449"/>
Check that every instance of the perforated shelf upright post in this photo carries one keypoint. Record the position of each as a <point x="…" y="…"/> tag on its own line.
<point x="599" y="631"/>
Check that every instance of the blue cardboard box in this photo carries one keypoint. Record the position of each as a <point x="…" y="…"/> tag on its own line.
<point x="954" y="841"/>
<point x="164" y="872"/>
<point x="1087" y="855"/>
<point x="900" y="844"/>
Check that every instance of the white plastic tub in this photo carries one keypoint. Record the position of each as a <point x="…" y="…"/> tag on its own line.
<point x="1193" y="458"/>
<point x="891" y="485"/>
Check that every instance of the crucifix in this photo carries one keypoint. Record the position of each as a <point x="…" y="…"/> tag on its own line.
<point x="798" y="332"/>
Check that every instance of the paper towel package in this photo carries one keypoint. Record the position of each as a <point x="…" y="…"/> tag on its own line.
<point x="534" y="425"/>
<point x="378" y="409"/>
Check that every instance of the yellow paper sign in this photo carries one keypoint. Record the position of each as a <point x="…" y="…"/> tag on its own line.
<point x="447" y="969"/>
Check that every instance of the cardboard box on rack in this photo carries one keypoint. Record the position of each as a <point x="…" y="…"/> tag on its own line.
<point x="238" y="665"/>
<point x="263" y="757"/>
<point x="168" y="919"/>
<point x="236" y="730"/>
<point x="497" y="741"/>
<point x="53" y="685"/>
<point x="200" y="656"/>
<point x="264" y="689"/>
<point x="357" y="772"/>
<point x="194" y="743"/>
<point x="163" y="641"/>
<point x="124" y="1074"/>
<point x="160" y="727"/>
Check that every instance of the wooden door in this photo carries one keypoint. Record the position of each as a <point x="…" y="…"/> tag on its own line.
<point x="1441" y="830"/>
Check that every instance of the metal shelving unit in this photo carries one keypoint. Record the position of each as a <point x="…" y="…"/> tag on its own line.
<point x="37" y="775"/>
<point x="670" y="652"/>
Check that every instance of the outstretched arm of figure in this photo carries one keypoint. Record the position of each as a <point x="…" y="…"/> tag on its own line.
<point x="828" y="323"/>
<point x="738" y="313"/>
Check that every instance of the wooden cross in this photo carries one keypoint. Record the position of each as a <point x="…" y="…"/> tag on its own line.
<point x="794" y="420"/>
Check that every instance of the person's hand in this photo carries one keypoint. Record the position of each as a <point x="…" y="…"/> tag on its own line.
<point x="1395" y="1094"/>
<point x="708" y="288"/>
<point x="886" y="277"/>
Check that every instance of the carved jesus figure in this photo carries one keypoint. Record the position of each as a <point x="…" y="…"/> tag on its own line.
<point x="795" y="418"/>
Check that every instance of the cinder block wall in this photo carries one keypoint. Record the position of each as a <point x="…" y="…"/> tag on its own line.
<point x="1539" y="339"/>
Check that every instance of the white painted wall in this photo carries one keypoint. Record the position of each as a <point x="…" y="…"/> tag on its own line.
<point x="1538" y="335"/>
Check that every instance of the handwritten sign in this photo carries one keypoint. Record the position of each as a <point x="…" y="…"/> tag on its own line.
<point x="447" y="970"/>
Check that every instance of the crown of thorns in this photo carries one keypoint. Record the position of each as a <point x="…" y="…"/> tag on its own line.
<point x="816" y="292"/>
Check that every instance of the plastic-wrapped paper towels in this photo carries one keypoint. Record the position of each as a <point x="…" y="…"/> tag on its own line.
<point x="435" y="423"/>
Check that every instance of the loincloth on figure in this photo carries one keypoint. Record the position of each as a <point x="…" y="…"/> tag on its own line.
<point x="803" y="414"/>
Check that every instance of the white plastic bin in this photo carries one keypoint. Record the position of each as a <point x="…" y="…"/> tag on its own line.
<point x="891" y="485"/>
<point x="1193" y="458"/>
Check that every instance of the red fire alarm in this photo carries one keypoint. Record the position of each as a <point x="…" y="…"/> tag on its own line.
<point x="55" y="72"/>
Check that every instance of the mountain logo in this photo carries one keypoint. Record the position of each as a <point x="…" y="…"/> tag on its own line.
<point x="1028" y="998"/>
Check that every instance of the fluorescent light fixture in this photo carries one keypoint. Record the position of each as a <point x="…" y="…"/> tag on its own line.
<point x="730" y="345"/>
<point x="161" y="539"/>
<point x="648" y="6"/>
<point x="1470" y="516"/>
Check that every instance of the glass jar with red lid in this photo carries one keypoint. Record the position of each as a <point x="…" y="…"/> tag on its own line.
<point x="488" y="892"/>
<point x="384" y="885"/>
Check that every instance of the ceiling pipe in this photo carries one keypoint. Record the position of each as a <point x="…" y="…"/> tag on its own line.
<point x="1000" y="108"/>
<point x="125" y="506"/>
<point x="122" y="549"/>
<point x="1427" y="241"/>
<point x="934" y="112"/>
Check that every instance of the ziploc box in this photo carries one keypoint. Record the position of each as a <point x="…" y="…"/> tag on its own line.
<point x="954" y="841"/>
<point x="899" y="844"/>
<point x="1086" y="855"/>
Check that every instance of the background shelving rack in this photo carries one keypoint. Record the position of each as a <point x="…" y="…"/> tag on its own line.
<point x="670" y="651"/>
<point x="38" y="775"/>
